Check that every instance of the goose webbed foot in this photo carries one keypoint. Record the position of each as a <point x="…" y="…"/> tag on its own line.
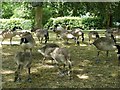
<point x="17" y="79"/>
<point x="61" y="74"/>
<point x="97" y="60"/>
<point x="108" y="60"/>
<point x="28" y="80"/>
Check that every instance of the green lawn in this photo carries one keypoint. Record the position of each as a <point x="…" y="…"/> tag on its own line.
<point x="86" y="72"/>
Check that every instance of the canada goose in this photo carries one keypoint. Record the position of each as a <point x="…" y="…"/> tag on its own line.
<point x="93" y="35"/>
<point x="60" y="56"/>
<point x="46" y="50"/>
<point x="118" y="53"/>
<point x="116" y="33"/>
<point x="41" y="33"/>
<point x="110" y="35"/>
<point x="27" y="41"/>
<point x="77" y="33"/>
<point x="16" y="27"/>
<point x="22" y="59"/>
<point x="104" y="44"/>
<point x="66" y="35"/>
<point x="8" y="34"/>
<point x="113" y="32"/>
<point x="58" y="29"/>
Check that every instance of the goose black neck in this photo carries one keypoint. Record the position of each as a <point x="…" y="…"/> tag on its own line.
<point x="97" y="36"/>
<point x="118" y="47"/>
<point x="82" y="37"/>
<point x="113" y="38"/>
<point x="23" y="40"/>
<point x="16" y="27"/>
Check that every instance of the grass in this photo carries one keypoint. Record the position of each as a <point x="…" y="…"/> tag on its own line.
<point x="86" y="72"/>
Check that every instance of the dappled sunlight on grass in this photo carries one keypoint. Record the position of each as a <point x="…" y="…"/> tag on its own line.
<point x="40" y="66"/>
<point x="83" y="45"/>
<point x="86" y="73"/>
<point x="83" y="76"/>
<point x="6" y="54"/>
<point x="7" y="72"/>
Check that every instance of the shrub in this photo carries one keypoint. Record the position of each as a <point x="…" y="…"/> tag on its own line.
<point x="71" y="22"/>
<point x="90" y="22"/>
<point x="10" y="23"/>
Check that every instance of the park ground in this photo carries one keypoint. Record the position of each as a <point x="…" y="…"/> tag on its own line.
<point x="86" y="72"/>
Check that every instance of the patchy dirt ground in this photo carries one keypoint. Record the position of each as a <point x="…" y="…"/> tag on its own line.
<point x="87" y="73"/>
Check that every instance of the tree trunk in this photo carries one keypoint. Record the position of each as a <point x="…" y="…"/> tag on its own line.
<point x="109" y="20"/>
<point x="38" y="17"/>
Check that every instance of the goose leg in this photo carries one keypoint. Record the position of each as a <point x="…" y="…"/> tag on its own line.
<point x="107" y="52"/>
<point x="57" y="36"/>
<point x="82" y="37"/>
<point x="97" y="60"/>
<point x="43" y="62"/>
<point x="89" y="42"/>
<point x="98" y="53"/>
<point x="39" y="39"/>
<point x="46" y="39"/>
<point x="60" y="70"/>
<point x="10" y="41"/>
<point x="69" y="72"/>
<point x="17" y="74"/>
<point x="2" y="41"/>
<point x="30" y="50"/>
<point x="118" y="59"/>
<point x="29" y="78"/>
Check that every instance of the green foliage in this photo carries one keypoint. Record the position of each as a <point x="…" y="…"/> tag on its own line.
<point x="36" y="4"/>
<point x="7" y="10"/>
<point x="71" y="22"/>
<point x="89" y="23"/>
<point x="16" y="10"/>
<point x="47" y="13"/>
<point x="22" y="11"/>
<point x="60" y="9"/>
<point x="105" y="10"/>
<point x="10" y="23"/>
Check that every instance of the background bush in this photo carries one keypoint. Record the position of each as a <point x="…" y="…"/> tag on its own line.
<point x="10" y="23"/>
<point x="90" y="22"/>
<point x="71" y="22"/>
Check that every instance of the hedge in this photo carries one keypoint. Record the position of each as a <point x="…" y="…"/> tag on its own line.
<point x="71" y="22"/>
<point x="10" y="23"/>
<point x="92" y="23"/>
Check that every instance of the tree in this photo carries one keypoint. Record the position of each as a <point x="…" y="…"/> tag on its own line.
<point x="38" y="14"/>
<point x="105" y="10"/>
